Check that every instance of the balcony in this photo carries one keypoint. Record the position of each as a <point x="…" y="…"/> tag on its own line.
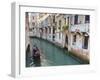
<point x="80" y="27"/>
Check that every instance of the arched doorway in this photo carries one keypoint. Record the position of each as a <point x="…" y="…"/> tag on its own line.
<point x="41" y="32"/>
<point x="85" y="44"/>
<point x="53" y="37"/>
<point x="66" y="41"/>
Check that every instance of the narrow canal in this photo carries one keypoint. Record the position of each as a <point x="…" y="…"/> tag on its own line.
<point x="53" y="55"/>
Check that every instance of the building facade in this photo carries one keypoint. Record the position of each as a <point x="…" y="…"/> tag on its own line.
<point x="71" y="31"/>
<point x="79" y="38"/>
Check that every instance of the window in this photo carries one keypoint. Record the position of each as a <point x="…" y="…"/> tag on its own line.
<point x="66" y="39"/>
<point x="76" y="19"/>
<point x="54" y="30"/>
<point x="71" y="20"/>
<point x="49" y="30"/>
<point x="85" y="44"/>
<point x="54" y="33"/>
<point x="87" y="19"/>
<point x="74" y="39"/>
<point x="33" y="23"/>
<point x="59" y="24"/>
<point x="54" y="19"/>
<point x="46" y="29"/>
<point x="65" y="20"/>
<point x="68" y="20"/>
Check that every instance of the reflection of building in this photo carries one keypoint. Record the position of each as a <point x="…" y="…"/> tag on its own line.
<point x="68" y="30"/>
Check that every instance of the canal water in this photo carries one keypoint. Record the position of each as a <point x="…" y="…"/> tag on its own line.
<point x="53" y="55"/>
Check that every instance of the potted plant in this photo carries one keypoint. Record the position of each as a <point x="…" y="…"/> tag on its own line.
<point x="65" y="27"/>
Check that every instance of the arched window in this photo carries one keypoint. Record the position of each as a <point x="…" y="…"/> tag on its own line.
<point x="74" y="39"/>
<point x="66" y="39"/>
<point x="76" y="19"/>
<point x="87" y="19"/>
<point x="85" y="44"/>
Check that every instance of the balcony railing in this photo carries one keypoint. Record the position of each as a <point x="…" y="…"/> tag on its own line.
<point x="80" y="27"/>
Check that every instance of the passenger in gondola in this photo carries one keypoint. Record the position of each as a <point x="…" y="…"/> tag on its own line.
<point x="36" y="56"/>
<point x="34" y="51"/>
